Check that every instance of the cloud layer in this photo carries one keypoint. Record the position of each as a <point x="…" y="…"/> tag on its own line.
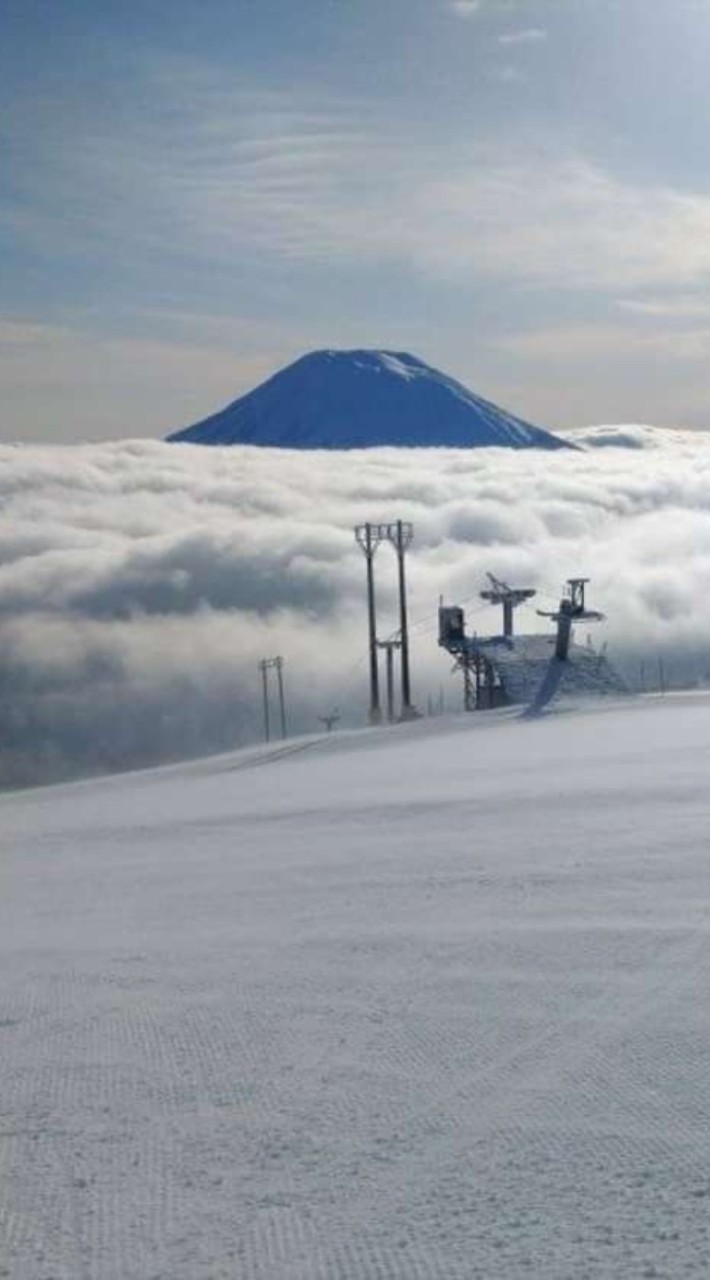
<point x="140" y="582"/>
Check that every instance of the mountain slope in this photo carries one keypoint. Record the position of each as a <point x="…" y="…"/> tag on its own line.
<point x="363" y="399"/>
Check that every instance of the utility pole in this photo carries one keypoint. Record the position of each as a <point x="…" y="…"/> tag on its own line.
<point x="279" y="664"/>
<point x="389" y="647"/>
<point x="400" y="534"/>
<point x="330" y="720"/>
<point x="266" y="665"/>
<point x="368" y="538"/>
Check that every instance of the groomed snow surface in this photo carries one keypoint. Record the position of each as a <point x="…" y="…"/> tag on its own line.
<point x="421" y="1002"/>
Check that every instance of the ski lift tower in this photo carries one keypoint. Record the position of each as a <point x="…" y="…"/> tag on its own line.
<point x="572" y="609"/>
<point x="510" y="597"/>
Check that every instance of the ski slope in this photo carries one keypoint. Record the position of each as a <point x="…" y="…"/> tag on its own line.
<point x="428" y="1002"/>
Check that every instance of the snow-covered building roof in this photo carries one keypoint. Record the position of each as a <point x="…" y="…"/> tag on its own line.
<point x="522" y="662"/>
<point x="525" y="668"/>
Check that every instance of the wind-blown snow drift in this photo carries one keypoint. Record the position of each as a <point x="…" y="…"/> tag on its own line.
<point x="140" y="583"/>
<point x="364" y="399"/>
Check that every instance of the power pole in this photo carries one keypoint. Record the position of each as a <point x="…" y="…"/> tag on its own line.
<point x="266" y="665"/>
<point x="279" y="664"/>
<point x="400" y="534"/>
<point x="389" y="647"/>
<point x="368" y="538"/>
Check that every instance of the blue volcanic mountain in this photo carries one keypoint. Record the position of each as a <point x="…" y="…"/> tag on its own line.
<point x="361" y="400"/>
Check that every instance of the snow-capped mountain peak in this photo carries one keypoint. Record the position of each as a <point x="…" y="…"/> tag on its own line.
<point x="364" y="399"/>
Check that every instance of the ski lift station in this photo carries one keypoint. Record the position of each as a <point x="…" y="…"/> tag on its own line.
<point x="505" y="669"/>
<point x="498" y="670"/>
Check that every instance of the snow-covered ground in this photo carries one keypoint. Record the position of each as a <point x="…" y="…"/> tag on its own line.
<point x="424" y="1002"/>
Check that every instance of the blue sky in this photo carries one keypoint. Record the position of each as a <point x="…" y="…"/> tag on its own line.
<point x="193" y="195"/>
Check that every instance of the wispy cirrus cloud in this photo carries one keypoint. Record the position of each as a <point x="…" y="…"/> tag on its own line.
<point x="469" y="8"/>
<point x="614" y="343"/>
<point x="685" y="307"/>
<point x="280" y="175"/>
<point x="526" y="35"/>
<point x="465" y="8"/>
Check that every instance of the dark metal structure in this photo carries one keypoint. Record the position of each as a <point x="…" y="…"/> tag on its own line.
<point x="368" y="537"/>
<point x="572" y="609"/>
<point x="390" y="647"/>
<point x="399" y="534"/>
<point x="530" y="669"/>
<point x="510" y="597"/>
<point x="265" y="666"/>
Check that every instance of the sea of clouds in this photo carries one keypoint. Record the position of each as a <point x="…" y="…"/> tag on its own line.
<point x="141" y="582"/>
